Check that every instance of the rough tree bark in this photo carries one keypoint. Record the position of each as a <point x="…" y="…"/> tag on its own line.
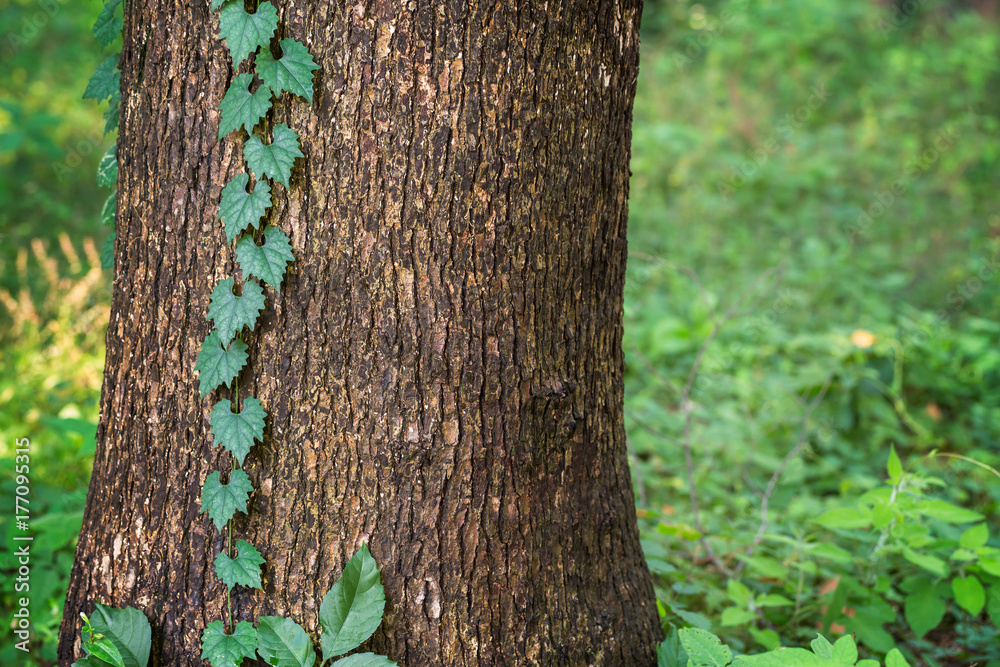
<point x="442" y="369"/>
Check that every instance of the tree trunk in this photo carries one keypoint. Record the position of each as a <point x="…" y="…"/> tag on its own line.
<point x="442" y="368"/>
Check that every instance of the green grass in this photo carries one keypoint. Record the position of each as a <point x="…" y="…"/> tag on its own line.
<point x="761" y="137"/>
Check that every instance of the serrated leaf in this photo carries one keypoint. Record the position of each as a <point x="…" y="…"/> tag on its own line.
<point x="111" y="115"/>
<point x="230" y="312"/>
<point x="108" y="26"/>
<point x="364" y="660"/>
<point x="239" y="209"/>
<point x="283" y="643"/>
<point x="975" y="537"/>
<point x="895" y="466"/>
<point x="926" y="561"/>
<point x="945" y="511"/>
<point x="108" y="252"/>
<point x="105" y="82"/>
<point x="704" y="649"/>
<point x="107" y="169"/>
<point x="969" y="594"/>
<point x="243" y="32"/>
<point x="128" y="629"/>
<point x="845" y="650"/>
<point x="843" y="517"/>
<point x="923" y="610"/>
<point x="266" y="262"/>
<point x="244" y="570"/>
<point x="108" y="210"/>
<point x="104" y="649"/>
<point x="293" y="71"/>
<point x="223" y="650"/>
<point x="237" y="431"/>
<point x="222" y="501"/>
<point x="352" y="609"/>
<point x="275" y="159"/>
<point x="219" y="365"/>
<point x="240" y="107"/>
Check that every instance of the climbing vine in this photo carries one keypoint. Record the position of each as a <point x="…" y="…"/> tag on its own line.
<point x="352" y="610"/>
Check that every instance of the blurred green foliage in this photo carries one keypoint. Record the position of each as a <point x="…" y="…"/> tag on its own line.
<point x="846" y="153"/>
<point x="836" y="163"/>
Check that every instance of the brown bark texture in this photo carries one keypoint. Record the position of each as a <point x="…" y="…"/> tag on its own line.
<point x="442" y="369"/>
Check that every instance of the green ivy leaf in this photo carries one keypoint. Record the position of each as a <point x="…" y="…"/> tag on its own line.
<point x="244" y="570"/>
<point x="243" y="32"/>
<point x="237" y="431"/>
<point x="283" y="643"/>
<point x="221" y="501"/>
<point x="108" y="210"/>
<point x="293" y="71"/>
<point x="268" y="261"/>
<point x="217" y="3"/>
<point x="845" y="650"/>
<point x="108" y="252"/>
<point x="923" y="610"/>
<point x="240" y="107"/>
<point x="230" y="312"/>
<point x="218" y="365"/>
<point x="128" y="629"/>
<point x="107" y="169"/>
<point x="113" y="112"/>
<point x="105" y="82"/>
<point x="108" y="26"/>
<point x="364" y="660"/>
<point x="969" y="594"/>
<point x="239" y="209"/>
<point x="223" y="650"/>
<point x="276" y="158"/>
<point x="352" y="609"/>
<point x="704" y="649"/>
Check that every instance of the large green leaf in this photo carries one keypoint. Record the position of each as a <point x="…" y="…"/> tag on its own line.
<point x="364" y="660"/>
<point x="239" y="209"/>
<point x="236" y="431"/>
<point x="108" y="26"/>
<point x="923" y="610"/>
<point x="293" y="71"/>
<point x="104" y="650"/>
<point x="352" y="609"/>
<point x="230" y="312"/>
<point x="244" y="570"/>
<point x="128" y="629"/>
<point x="218" y="365"/>
<point x="223" y="650"/>
<point x="105" y="81"/>
<point x="243" y="32"/>
<point x="283" y="643"/>
<point x="969" y="594"/>
<point x="240" y="107"/>
<point x="268" y="261"/>
<point x="704" y="649"/>
<point x="107" y="170"/>
<point x="221" y="501"/>
<point x="945" y="511"/>
<point x="275" y="159"/>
